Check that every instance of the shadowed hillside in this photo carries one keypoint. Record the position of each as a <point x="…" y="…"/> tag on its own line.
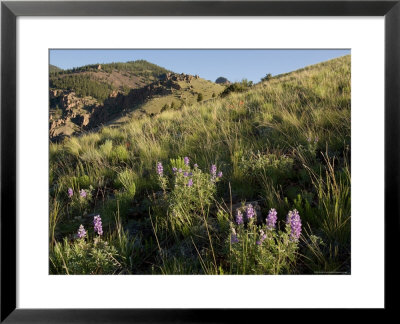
<point x="84" y="98"/>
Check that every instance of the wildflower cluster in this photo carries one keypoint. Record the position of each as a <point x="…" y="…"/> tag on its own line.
<point x="189" y="194"/>
<point x="263" y="249"/>
<point x="214" y="174"/>
<point x="98" y="228"/>
<point x="79" y="202"/>
<point x="248" y="210"/>
<point x="83" y="193"/>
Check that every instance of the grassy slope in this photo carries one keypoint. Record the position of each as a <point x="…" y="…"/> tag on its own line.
<point x="296" y="117"/>
<point x="187" y="95"/>
<point x="53" y="68"/>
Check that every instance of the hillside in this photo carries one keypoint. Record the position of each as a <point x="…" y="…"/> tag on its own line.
<point x="84" y="98"/>
<point x="54" y="69"/>
<point x="256" y="182"/>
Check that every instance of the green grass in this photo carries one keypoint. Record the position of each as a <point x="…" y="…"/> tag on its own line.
<point x="284" y="143"/>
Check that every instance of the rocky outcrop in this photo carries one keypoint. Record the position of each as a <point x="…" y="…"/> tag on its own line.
<point x="79" y="114"/>
<point x="177" y="77"/>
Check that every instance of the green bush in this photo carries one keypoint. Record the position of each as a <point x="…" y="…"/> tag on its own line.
<point x="120" y="154"/>
<point x="81" y="257"/>
<point x="188" y="195"/>
<point x="259" y="249"/>
<point x="127" y="179"/>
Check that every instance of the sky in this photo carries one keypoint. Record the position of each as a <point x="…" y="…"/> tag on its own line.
<point x="234" y="65"/>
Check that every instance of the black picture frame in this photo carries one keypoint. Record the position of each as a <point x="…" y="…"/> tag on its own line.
<point x="11" y="10"/>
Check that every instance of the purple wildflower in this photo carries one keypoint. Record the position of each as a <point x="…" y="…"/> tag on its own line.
<point x="70" y="192"/>
<point x="219" y="174"/>
<point x="234" y="239"/>
<point x="293" y="219"/>
<point x="250" y="213"/>
<point x="196" y="165"/>
<point x="272" y="218"/>
<point x="186" y="160"/>
<point x="160" y="169"/>
<point x="81" y="232"/>
<point x="239" y="217"/>
<point x="185" y="174"/>
<point x="174" y="169"/>
<point x="98" y="227"/>
<point x="213" y="171"/>
<point x="190" y="183"/>
<point x="263" y="236"/>
<point x="83" y="193"/>
<point x="180" y="170"/>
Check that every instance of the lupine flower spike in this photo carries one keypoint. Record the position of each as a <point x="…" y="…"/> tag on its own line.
<point x="186" y="161"/>
<point x="239" y="217"/>
<point x="272" y="218"/>
<point x="213" y="172"/>
<point x="250" y="211"/>
<point x="293" y="219"/>
<point x="81" y="232"/>
<point x="234" y="239"/>
<point x="160" y="169"/>
<point x="263" y="236"/>
<point x="70" y="192"/>
<point x="98" y="227"/>
<point x="83" y="193"/>
<point x="190" y="183"/>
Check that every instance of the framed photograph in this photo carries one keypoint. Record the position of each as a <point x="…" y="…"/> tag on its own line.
<point x="181" y="161"/>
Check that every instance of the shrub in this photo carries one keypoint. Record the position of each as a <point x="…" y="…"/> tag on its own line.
<point x="120" y="154"/>
<point x="237" y="87"/>
<point x="82" y="257"/>
<point x="127" y="180"/>
<point x="267" y="77"/>
<point x="266" y="166"/>
<point x="262" y="249"/>
<point x="189" y="195"/>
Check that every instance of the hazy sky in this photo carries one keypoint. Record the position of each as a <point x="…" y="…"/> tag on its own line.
<point x="208" y="64"/>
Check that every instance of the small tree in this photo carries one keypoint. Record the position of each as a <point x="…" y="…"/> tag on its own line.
<point x="199" y="97"/>
<point x="267" y="77"/>
<point x="222" y="80"/>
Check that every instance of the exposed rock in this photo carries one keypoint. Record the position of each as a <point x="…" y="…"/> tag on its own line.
<point x="85" y="113"/>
